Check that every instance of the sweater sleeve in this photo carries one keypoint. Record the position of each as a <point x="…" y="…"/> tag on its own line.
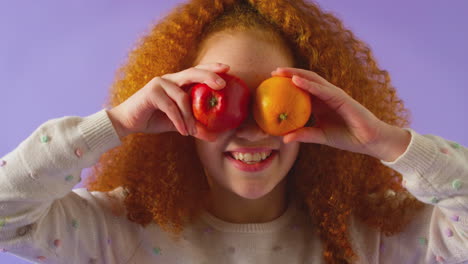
<point x="41" y="218"/>
<point x="435" y="171"/>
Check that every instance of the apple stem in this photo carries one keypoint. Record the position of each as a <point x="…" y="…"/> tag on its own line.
<point x="283" y="117"/>
<point x="213" y="101"/>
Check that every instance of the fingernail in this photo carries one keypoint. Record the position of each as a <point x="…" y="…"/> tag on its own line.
<point x="298" y="79"/>
<point x="220" y="82"/>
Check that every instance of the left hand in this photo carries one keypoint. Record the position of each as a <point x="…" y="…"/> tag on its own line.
<point x="340" y="121"/>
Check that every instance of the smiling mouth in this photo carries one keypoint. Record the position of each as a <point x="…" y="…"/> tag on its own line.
<point x="251" y="167"/>
<point x="239" y="157"/>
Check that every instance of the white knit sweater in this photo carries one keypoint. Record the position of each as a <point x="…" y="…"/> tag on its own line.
<point x="43" y="220"/>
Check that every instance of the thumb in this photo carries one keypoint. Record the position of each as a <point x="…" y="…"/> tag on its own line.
<point x="307" y="135"/>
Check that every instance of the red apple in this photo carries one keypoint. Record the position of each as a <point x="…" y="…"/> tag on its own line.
<point x="221" y="110"/>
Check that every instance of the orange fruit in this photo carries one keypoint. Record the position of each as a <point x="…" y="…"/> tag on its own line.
<point x="280" y="107"/>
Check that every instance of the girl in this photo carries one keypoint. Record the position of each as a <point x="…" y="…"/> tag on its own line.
<point x="358" y="186"/>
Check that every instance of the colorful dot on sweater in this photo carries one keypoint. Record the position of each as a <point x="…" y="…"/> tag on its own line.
<point x="444" y="150"/>
<point x="2" y="222"/>
<point x="2" y="163"/>
<point x="78" y="152"/>
<point x="457" y="184"/>
<point x="456" y="145"/>
<point x="41" y="258"/>
<point x="440" y="259"/>
<point x="57" y="243"/>
<point x="422" y="241"/>
<point x="75" y="223"/>
<point x="108" y="241"/>
<point x="435" y="200"/>
<point x="455" y="218"/>
<point x="449" y="232"/>
<point x="157" y="251"/>
<point x="45" y="139"/>
<point x="69" y="177"/>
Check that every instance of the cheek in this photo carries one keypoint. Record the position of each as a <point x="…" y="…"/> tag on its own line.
<point x="290" y="151"/>
<point x="209" y="154"/>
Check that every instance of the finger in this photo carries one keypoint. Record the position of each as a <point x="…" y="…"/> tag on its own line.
<point x="182" y="100"/>
<point x="169" y="107"/>
<point x="338" y="100"/>
<point x="217" y="66"/>
<point x="310" y="75"/>
<point x="307" y="135"/>
<point x="200" y="74"/>
<point x="334" y="98"/>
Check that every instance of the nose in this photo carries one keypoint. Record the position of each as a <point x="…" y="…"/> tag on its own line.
<point x="250" y="131"/>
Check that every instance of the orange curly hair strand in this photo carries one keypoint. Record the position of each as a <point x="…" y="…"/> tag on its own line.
<point x="163" y="177"/>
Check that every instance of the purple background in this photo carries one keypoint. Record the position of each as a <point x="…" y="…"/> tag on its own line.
<point x="58" y="59"/>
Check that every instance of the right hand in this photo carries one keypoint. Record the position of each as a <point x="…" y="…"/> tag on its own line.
<point x="162" y="105"/>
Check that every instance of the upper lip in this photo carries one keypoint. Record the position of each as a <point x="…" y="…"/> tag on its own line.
<point x="252" y="150"/>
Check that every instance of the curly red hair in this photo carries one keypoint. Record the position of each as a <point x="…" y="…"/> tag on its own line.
<point x="164" y="180"/>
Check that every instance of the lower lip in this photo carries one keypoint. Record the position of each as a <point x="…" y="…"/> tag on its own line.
<point x="252" y="167"/>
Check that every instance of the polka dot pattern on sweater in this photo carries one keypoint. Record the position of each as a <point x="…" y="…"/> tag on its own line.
<point x="444" y="150"/>
<point x="457" y="184"/>
<point x="435" y="199"/>
<point x="69" y="178"/>
<point x="2" y="222"/>
<point x="57" y="243"/>
<point x="449" y="232"/>
<point x="456" y="145"/>
<point x="422" y="241"/>
<point x="455" y="218"/>
<point x="78" y="152"/>
<point x="45" y="139"/>
<point x="157" y="251"/>
<point x="75" y="223"/>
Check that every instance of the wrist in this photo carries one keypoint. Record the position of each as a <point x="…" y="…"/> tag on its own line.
<point x="393" y="143"/>
<point x="121" y="131"/>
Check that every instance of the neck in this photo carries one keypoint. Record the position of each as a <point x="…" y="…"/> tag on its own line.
<point x="232" y="208"/>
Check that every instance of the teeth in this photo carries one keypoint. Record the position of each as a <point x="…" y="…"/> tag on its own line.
<point x="251" y="157"/>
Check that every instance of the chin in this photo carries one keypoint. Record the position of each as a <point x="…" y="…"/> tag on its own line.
<point x="252" y="192"/>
